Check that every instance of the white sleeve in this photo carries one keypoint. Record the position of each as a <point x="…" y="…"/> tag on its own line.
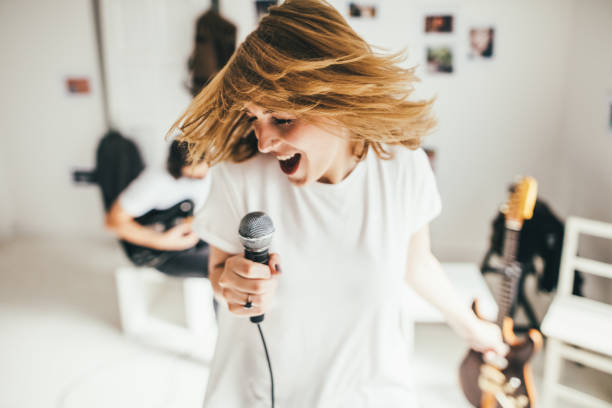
<point x="218" y="220"/>
<point x="140" y="195"/>
<point x="424" y="202"/>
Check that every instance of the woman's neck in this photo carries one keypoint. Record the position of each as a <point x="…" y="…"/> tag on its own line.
<point x="342" y="168"/>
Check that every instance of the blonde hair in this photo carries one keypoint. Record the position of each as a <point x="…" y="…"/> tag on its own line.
<point x="305" y="60"/>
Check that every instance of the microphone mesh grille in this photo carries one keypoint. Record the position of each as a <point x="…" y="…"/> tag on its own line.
<point x="256" y="229"/>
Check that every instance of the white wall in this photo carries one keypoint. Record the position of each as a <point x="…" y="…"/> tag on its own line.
<point x="587" y="140"/>
<point x="6" y="204"/>
<point x="45" y="131"/>
<point x="146" y="48"/>
<point x="586" y="173"/>
<point x="525" y="112"/>
<point x="498" y="118"/>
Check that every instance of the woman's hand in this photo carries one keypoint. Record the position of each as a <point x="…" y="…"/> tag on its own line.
<point x="243" y="281"/>
<point x="486" y="337"/>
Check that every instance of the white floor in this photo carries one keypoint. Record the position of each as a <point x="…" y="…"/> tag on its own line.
<point x="61" y="347"/>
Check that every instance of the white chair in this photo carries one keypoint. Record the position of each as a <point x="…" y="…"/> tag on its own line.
<point x="195" y="339"/>
<point x="578" y="329"/>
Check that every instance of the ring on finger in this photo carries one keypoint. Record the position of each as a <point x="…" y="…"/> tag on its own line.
<point x="248" y="303"/>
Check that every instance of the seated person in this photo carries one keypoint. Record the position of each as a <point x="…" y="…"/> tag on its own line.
<point x="152" y="216"/>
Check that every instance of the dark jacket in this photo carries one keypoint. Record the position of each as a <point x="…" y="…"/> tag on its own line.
<point x="118" y="162"/>
<point x="215" y="41"/>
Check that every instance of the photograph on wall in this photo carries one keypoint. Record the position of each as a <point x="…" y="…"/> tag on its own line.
<point x="439" y="23"/>
<point x="481" y="42"/>
<point x="439" y="59"/>
<point x="261" y="7"/>
<point x="360" y="10"/>
<point x="78" y="85"/>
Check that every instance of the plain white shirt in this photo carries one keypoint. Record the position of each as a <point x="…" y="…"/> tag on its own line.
<point x="337" y="332"/>
<point x="157" y="189"/>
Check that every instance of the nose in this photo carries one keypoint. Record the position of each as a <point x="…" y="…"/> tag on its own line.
<point x="267" y="139"/>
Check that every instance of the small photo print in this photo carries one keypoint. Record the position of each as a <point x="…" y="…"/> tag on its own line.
<point x="439" y="24"/>
<point x="481" y="42"/>
<point x="261" y="7"/>
<point x="439" y="60"/>
<point x="78" y="85"/>
<point x="362" y="10"/>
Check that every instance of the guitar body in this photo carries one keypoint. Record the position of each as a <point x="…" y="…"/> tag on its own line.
<point x="521" y="351"/>
<point x="159" y="220"/>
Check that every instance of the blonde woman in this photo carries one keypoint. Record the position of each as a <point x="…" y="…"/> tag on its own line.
<point x="309" y="125"/>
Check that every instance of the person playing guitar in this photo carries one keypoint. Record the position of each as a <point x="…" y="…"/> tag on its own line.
<point x="152" y="216"/>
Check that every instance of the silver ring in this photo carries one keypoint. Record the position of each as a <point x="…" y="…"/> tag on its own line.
<point x="248" y="303"/>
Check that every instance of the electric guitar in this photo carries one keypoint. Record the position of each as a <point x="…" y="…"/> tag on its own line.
<point x="159" y="220"/>
<point x="492" y="382"/>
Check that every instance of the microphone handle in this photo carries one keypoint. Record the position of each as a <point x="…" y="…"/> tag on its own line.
<point x="261" y="257"/>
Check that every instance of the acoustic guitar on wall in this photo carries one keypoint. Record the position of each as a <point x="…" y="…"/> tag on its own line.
<point x="487" y="380"/>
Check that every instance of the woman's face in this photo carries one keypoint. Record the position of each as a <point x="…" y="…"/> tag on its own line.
<point x="306" y="151"/>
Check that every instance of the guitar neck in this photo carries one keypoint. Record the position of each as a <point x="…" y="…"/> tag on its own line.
<point x="508" y="290"/>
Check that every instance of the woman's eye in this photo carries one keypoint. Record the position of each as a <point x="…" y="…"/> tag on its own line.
<point x="252" y="119"/>
<point x="283" y="121"/>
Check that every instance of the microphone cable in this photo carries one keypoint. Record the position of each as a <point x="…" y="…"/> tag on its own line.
<point x="263" y="340"/>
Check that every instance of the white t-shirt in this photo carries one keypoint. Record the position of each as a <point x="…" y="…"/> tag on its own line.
<point x="336" y="334"/>
<point x="157" y="189"/>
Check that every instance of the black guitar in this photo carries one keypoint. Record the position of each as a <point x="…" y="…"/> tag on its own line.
<point x="159" y="220"/>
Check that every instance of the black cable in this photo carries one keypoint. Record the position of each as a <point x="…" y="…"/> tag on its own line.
<point x="269" y="365"/>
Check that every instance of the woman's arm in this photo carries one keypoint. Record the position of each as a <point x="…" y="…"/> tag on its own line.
<point x="428" y="279"/>
<point x="123" y="225"/>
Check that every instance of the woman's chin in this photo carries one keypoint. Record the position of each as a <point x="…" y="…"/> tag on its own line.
<point x="298" y="181"/>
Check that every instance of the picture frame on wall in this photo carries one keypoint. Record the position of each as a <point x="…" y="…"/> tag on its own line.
<point x="362" y="10"/>
<point x="481" y="42"/>
<point x="439" y="59"/>
<point x="443" y="23"/>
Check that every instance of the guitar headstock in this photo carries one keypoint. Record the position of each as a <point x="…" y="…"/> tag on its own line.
<point x="521" y="202"/>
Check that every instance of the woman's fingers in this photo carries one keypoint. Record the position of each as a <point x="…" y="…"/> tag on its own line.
<point x="274" y="263"/>
<point x="243" y="279"/>
<point x="248" y="269"/>
<point x="241" y="311"/>
<point x="253" y="286"/>
<point x="241" y="298"/>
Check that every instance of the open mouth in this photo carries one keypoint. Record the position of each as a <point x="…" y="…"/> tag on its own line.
<point x="290" y="165"/>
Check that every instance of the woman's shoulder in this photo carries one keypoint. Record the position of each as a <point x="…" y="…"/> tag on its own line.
<point x="404" y="159"/>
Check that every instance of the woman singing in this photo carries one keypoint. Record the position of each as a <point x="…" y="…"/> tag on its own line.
<point x="309" y="125"/>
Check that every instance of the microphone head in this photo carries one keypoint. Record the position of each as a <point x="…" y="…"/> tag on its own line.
<point x="256" y="229"/>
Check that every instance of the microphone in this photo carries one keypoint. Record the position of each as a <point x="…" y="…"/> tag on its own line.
<point x="255" y="231"/>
